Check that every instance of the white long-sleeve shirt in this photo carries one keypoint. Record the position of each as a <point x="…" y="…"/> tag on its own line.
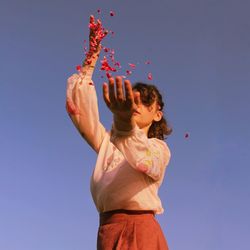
<point x="130" y="167"/>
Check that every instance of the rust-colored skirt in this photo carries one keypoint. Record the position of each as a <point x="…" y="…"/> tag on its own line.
<point x="130" y="230"/>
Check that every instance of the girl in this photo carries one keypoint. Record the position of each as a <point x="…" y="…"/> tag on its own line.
<point x="132" y="157"/>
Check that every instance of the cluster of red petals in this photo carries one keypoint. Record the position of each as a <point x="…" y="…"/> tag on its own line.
<point x="97" y="33"/>
<point x="106" y="66"/>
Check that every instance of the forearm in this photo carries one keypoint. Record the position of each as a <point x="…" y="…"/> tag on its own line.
<point x="89" y="65"/>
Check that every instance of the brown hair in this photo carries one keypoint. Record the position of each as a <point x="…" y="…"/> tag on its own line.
<point x="148" y="94"/>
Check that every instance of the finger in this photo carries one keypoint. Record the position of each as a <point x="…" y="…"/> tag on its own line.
<point x="112" y="96"/>
<point x="129" y="93"/>
<point x="137" y="98"/>
<point x="91" y="25"/>
<point x="98" y="24"/>
<point x="92" y="19"/>
<point x="119" y="90"/>
<point x="105" y="93"/>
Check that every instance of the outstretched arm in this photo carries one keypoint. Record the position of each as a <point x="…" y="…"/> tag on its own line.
<point x="81" y="99"/>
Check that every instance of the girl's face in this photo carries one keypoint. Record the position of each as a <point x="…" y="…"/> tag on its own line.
<point x="145" y="115"/>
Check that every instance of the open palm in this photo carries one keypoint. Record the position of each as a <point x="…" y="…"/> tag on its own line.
<point x="121" y="104"/>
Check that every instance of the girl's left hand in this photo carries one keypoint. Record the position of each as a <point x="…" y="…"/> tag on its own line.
<point x="121" y="104"/>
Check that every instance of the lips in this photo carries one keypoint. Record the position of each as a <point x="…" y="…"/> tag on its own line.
<point x="136" y="112"/>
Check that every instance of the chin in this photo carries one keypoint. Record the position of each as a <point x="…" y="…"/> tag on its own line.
<point x="139" y="125"/>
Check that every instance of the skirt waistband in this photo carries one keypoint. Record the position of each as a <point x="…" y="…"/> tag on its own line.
<point x="122" y="214"/>
<point x="124" y="211"/>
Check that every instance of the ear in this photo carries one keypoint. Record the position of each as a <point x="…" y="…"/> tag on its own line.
<point x="158" y="115"/>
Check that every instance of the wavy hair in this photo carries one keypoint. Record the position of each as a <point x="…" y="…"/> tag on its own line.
<point x="149" y="94"/>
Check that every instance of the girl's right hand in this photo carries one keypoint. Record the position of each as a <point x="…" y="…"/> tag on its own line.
<point x="94" y="40"/>
<point x="96" y="34"/>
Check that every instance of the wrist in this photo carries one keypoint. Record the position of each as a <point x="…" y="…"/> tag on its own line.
<point x="124" y="124"/>
<point x="91" y="58"/>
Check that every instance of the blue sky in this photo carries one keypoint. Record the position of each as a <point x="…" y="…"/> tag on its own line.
<point x="200" y="54"/>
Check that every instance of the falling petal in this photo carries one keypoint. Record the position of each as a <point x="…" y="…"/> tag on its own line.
<point x="132" y="65"/>
<point x="111" y="13"/>
<point x="106" y="49"/>
<point x="78" y="67"/>
<point x="150" y="77"/>
<point x="117" y="64"/>
<point x="108" y="75"/>
<point x="129" y="72"/>
<point x="147" y="62"/>
<point x="98" y="11"/>
<point x="186" y="135"/>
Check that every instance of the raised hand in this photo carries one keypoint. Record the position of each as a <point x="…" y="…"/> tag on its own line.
<point x="96" y="34"/>
<point x="121" y="104"/>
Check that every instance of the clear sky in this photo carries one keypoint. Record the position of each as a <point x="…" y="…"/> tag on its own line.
<point x="200" y="54"/>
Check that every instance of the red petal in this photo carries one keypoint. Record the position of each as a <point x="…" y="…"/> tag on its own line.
<point x="117" y="64"/>
<point x="108" y="75"/>
<point x="78" y="67"/>
<point x="150" y="77"/>
<point x="132" y="65"/>
<point x="111" y="13"/>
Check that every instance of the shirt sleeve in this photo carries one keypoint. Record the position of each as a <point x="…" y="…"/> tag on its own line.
<point x="82" y="107"/>
<point x="148" y="155"/>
